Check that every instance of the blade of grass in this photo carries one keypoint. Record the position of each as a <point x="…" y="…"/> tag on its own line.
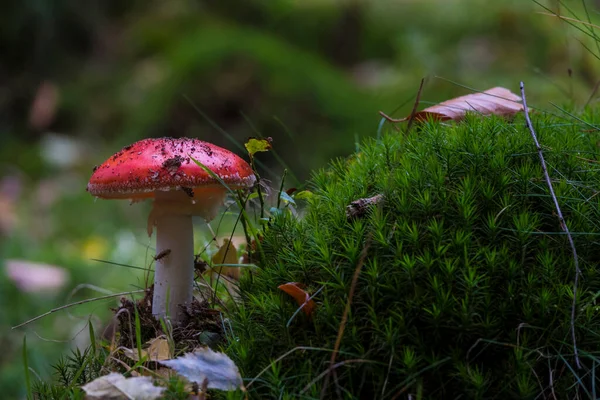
<point x="120" y="265"/>
<point x="235" y="142"/>
<point x="576" y="117"/>
<point x="74" y="382"/>
<point x="591" y="27"/>
<point x="272" y="151"/>
<point x="138" y="331"/>
<point x="295" y="349"/>
<point x="281" y="188"/>
<point x="92" y="336"/>
<point x="571" y="21"/>
<point x="26" y="369"/>
<point x="404" y="384"/>
<point x="241" y="203"/>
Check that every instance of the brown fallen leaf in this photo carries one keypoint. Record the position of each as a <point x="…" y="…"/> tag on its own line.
<point x="300" y="295"/>
<point x="227" y="254"/>
<point x="158" y="350"/>
<point x="496" y="101"/>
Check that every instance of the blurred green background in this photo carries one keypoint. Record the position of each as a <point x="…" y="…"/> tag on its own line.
<point x="81" y="79"/>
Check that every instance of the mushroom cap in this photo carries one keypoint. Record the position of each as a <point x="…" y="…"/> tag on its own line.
<point x="150" y="165"/>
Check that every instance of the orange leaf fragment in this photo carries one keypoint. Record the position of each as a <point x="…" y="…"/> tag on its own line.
<point x="303" y="299"/>
<point x="496" y="101"/>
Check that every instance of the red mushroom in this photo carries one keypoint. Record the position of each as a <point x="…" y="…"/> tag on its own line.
<point x="163" y="170"/>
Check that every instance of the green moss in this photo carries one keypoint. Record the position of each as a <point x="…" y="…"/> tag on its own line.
<point x="468" y="281"/>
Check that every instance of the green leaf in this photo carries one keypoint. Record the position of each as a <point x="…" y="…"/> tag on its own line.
<point x="303" y="195"/>
<point x="254" y="145"/>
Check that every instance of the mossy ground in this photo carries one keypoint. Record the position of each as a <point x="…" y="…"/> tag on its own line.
<point x="465" y="279"/>
<point x="467" y="286"/>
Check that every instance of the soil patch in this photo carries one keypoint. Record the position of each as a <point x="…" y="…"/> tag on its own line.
<point x="201" y="325"/>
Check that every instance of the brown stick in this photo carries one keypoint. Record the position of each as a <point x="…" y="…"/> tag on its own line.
<point x="411" y="119"/>
<point x="75" y="304"/>
<point x="338" y="340"/>
<point x="390" y="119"/>
<point x="563" y="224"/>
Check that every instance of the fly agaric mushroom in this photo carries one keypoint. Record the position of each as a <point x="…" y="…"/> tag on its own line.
<point x="163" y="170"/>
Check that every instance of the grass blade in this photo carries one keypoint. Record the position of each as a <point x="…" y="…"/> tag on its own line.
<point x="26" y="366"/>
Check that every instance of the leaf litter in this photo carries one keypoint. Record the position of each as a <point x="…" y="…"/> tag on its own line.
<point x="495" y="101"/>
<point x="301" y="296"/>
<point x="115" y="386"/>
<point x="199" y="321"/>
<point x="219" y="371"/>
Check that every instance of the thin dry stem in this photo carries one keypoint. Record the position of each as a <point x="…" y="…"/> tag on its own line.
<point x="411" y="119"/>
<point x="563" y="224"/>
<point x="74" y="304"/>
<point x="338" y="341"/>
<point x="322" y="374"/>
<point x="287" y="353"/>
<point x="392" y="120"/>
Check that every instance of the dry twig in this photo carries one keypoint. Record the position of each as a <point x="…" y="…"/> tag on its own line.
<point x="75" y="304"/>
<point x="411" y="119"/>
<point x="338" y="341"/>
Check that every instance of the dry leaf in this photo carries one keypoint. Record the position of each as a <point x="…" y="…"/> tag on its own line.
<point x="496" y="101"/>
<point x="300" y="295"/>
<point x="227" y="254"/>
<point x="116" y="387"/>
<point x="158" y="350"/>
<point x="218" y="369"/>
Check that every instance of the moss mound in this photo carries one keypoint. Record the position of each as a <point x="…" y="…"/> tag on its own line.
<point x="467" y="284"/>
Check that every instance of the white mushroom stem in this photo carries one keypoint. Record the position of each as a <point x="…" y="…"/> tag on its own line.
<point x="174" y="268"/>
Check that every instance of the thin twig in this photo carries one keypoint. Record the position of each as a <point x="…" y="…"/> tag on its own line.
<point x="387" y="375"/>
<point x="551" y="382"/>
<point x="268" y="367"/>
<point x="75" y="304"/>
<point x="338" y="340"/>
<point x="563" y="224"/>
<point x="390" y="119"/>
<point x="411" y="119"/>
<point x="303" y="305"/>
<point x="322" y="374"/>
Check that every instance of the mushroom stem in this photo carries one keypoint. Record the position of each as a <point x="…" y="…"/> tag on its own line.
<point x="174" y="269"/>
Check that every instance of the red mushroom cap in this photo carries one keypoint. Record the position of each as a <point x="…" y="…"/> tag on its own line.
<point x="138" y="170"/>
